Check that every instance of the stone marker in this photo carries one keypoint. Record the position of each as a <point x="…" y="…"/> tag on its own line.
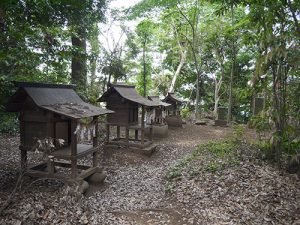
<point x="258" y="105"/>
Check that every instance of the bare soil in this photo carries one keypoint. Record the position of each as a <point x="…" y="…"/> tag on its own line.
<point x="135" y="189"/>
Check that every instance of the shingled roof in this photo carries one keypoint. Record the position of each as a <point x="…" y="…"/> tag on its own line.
<point x="58" y="98"/>
<point x="127" y="92"/>
<point x="171" y="97"/>
<point x="157" y="100"/>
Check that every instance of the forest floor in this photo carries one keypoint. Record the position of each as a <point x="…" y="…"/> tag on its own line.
<point x="138" y="191"/>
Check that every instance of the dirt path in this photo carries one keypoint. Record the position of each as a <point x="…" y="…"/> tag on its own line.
<point x="136" y="184"/>
<point x="134" y="191"/>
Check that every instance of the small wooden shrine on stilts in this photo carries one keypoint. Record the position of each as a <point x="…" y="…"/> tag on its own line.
<point x="49" y="113"/>
<point x="156" y="116"/>
<point x="126" y="102"/>
<point x="173" y="117"/>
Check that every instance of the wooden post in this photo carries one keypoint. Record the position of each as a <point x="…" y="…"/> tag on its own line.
<point x="151" y="133"/>
<point x="95" y="142"/>
<point x="127" y="136"/>
<point x="50" y="165"/>
<point x="107" y="133"/>
<point x="22" y="142"/>
<point x="136" y="134"/>
<point x="143" y="126"/>
<point x="51" y="135"/>
<point x="118" y="132"/>
<point x="74" y="148"/>
<point x="23" y="159"/>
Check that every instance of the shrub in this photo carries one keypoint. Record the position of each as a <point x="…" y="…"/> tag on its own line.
<point x="185" y="112"/>
<point x="9" y="123"/>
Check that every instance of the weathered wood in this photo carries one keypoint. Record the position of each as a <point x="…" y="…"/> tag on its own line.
<point x="143" y="126"/>
<point x="125" y="102"/>
<point x="73" y="148"/>
<point x="34" y="116"/>
<point x="118" y="131"/>
<point x="82" y="151"/>
<point x="50" y="125"/>
<point x="95" y="158"/>
<point x="107" y="132"/>
<point x="50" y="166"/>
<point x="151" y="133"/>
<point x="50" y="114"/>
<point x="22" y="133"/>
<point x="62" y="132"/>
<point x="41" y="166"/>
<point x="134" y="143"/>
<point x="127" y="136"/>
<point x="23" y="159"/>
<point x="45" y="174"/>
<point x="95" y="142"/>
<point x="66" y="164"/>
<point x="89" y="172"/>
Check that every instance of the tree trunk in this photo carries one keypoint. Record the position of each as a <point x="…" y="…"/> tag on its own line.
<point x="183" y="54"/>
<point x="144" y="70"/>
<point x="218" y="85"/>
<point x="229" y="116"/>
<point x="109" y="74"/>
<point x="230" y="92"/>
<point x="79" y="72"/>
<point x="294" y="17"/>
<point x="93" y="72"/>
<point x="95" y="49"/>
<point x="199" y="85"/>
<point x="182" y="61"/>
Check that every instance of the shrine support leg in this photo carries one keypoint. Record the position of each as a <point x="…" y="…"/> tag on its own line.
<point x="107" y="133"/>
<point x="143" y="126"/>
<point x="23" y="159"/>
<point x="50" y="166"/>
<point x="127" y="136"/>
<point x="118" y="132"/>
<point x="151" y="133"/>
<point x="95" y="142"/>
<point x="74" y="169"/>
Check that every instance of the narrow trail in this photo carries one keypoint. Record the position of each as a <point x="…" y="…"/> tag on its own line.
<point x="135" y="192"/>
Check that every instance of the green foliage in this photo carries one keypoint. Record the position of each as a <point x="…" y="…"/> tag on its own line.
<point x="35" y="41"/>
<point x="169" y="187"/>
<point x="221" y="149"/>
<point x="219" y="154"/>
<point x="238" y="133"/>
<point x="262" y="125"/>
<point x="9" y="123"/>
<point x="212" y="167"/>
<point x="186" y="112"/>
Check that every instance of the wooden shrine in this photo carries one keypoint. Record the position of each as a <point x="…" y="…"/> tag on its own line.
<point x="126" y="102"/>
<point x="156" y="116"/>
<point x="173" y="117"/>
<point x="53" y="112"/>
